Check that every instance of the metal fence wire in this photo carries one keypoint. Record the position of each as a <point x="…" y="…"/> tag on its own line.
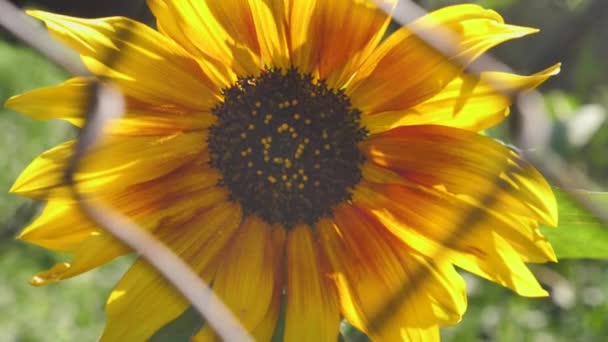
<point x="530" y="126"/>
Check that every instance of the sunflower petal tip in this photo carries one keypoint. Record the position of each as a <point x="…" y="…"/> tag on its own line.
<point x="554" y="69"/>
<point x="15" y="188"/>
<point x="20" y="186"/>
<point x="35" y="13"/>
<point x="17" y="103"/>
<point x="22" y="235"/>
<point x="552" y="213"/>
<point x="54" y="274"/>
<point x="522" y="31"/>
<point x="11" y="101"/>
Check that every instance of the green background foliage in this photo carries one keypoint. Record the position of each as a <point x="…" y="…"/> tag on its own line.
<point x="577" y="308"/>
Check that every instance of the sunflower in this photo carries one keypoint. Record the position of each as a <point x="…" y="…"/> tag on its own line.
<point x="297" y="156"/>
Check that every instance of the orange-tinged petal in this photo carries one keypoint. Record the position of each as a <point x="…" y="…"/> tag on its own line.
<point x="269" y="18"/>
<point x="312" y="312"/>
<point x="246" y="279"/>
<point x="69" y="100"/>
<point x="370" y="275"/>
<point x="301" y="32"/>
<point x="220" y="34"/>
<point x="521" y="232"/>
<point x="317" y="41"/>
<point x="255" y="243"/>
<point x="98" y="247"/>
<point x="157" y="70"/>
<point x="432" y="225"/>
<point x="466" y="102"/>
<point x="62" y="225"/>
<point x="115" y="163"/>
<point x="405" y="70"/>
<point x="267" y="327"/>
<point x="143" y="295"/>
<point x="464" y="163"/>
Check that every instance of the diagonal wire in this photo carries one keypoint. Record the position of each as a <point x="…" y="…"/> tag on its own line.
<point x="27" y="30"/>
<point x="105" y="102"/>
<point x="534" y="130"/>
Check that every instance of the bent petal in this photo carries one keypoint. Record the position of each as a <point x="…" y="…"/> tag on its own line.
<point x="464" y="163"/>
<point x="68" y="101"/>
<point x="433" y="225"/>
<point x="96" y="250"/>
<point x="405" y="70"/>
<point x="143" y="295"/>
<point x="312" y="305"/>
<point x="157" y="70"/>
<point x="466" y="102"/>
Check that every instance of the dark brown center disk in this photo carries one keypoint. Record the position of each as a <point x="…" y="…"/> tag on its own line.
<point x="286" y="146"/>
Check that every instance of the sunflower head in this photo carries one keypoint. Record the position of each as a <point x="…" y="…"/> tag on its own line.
<point x="290" y="169"/>
<point x="296" y="155"/>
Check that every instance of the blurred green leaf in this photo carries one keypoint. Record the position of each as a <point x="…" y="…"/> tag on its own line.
<point x="579" y="234"/>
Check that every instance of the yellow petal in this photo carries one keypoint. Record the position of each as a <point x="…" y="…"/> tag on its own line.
<point x="405" y="70"/>
<point x="98" y="247"/>
<point x="341" y="56"/>
<point x="521" y="232"/>
<point x="140" y="304"/>
<point x="246" y="279"/>
<point x="60" y="227"/>
<point x="152" y="68"/>
<point x="464" y="163"/>
<point x="249" y="279"/>
<point x="220" y="34"/>
<point x="444" y="287"/>
<point x="312" y="307"/>
<point x="374" y="272"/>
<point x="68" y="101"/>
<point x="465" y="103"/>
<point x="267" y="327"/>
<point x="332" y="38"/>
<point x="114" y="164"/>
<point x="142" y="295"/>
<point x="269" y="18"/>
<point x="431" y="224"/>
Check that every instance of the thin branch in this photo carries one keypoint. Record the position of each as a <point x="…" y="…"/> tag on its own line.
<point x="107" y="104"/>
<point x="33" y="33"/>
